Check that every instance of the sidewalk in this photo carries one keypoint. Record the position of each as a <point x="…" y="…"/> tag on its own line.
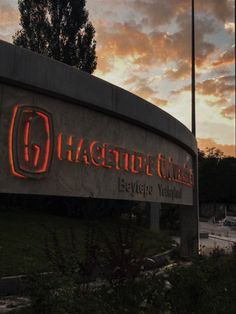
<point x="219" y="236"/>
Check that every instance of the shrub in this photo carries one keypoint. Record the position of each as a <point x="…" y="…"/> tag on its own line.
<point x="206" y="285"/>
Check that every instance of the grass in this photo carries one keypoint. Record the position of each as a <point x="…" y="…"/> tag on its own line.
<point x="24" y="233"/>
<point x="23" y="236"/>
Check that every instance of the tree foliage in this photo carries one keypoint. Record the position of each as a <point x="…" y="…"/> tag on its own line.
<point x="59" y="29"/>
<point x="217" y="177"/>
<point x="207" y="283"/>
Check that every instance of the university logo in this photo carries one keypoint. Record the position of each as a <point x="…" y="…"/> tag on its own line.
<point x="30" y="142"/>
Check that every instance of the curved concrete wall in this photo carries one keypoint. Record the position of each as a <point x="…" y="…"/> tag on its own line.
<point x="69" y="133"/>
<point x="23" y="68"/>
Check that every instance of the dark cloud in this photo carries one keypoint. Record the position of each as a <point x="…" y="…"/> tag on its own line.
<point x="142" y="88"/>
<point x="159" y="101"/>
<point x="222" y="10"/>
<point x="155" y="48"/>
<point x="218" y="87"/>
<point x="122" y="40"/>
<point x="220" y="102"/>
<point x="182" y="71"/>
<point x="226" y="58"/>
<point x="161" y="12"/>
<point x="221" y="88"/>
<point x="229" y="112"/>
<point x="186" y="88"/>
<point x="132" y="80"/>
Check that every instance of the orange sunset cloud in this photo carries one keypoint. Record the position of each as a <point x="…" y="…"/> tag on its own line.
<point x="229" y="112"/>
<point x="204" y="143"/>
<point x="144" y="46"/>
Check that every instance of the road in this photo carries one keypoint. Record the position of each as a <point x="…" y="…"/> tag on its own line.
<point x="219" y="236"/>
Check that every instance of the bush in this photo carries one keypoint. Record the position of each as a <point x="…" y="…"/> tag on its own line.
<point x="206" y="285"/>
<point x="118" y="260"/>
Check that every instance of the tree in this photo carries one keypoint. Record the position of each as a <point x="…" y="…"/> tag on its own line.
<point x="59" y="29"/>
<point x="217" y="177"/>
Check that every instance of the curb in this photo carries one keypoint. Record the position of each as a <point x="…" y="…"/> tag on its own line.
<point x="231" y="240"/>
<point x="13" y="285"/>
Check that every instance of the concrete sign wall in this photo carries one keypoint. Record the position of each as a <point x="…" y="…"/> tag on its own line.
<point x="63" y="132"/>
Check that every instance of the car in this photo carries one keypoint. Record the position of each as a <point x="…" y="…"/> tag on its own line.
<point x="230" y="221"/>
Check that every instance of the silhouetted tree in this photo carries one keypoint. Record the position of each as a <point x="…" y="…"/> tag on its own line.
<point x="59" y="29"/>
<point x="217" y="177"/>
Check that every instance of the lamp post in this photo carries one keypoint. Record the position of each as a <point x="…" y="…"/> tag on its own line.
<point x="193" y="73"/>
<point x="195" y="161"/>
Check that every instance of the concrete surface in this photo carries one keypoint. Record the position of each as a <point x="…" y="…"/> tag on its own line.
<point x="100" y="111"/>
<point x="24" y="68"/>
<point x="77" y="104"/>
<point x="219" y="236"/>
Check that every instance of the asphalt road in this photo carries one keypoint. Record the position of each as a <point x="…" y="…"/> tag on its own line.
<point x="218" y="236"/>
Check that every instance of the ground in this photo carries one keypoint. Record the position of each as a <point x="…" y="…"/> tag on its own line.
<point x="219" y="236"/>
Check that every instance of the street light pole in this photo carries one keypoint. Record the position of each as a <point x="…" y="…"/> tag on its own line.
<point x="195" y="160"/>
<point x="193" y="73"/>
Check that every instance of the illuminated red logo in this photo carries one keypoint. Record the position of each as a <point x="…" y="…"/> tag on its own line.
<point x="30" y="142"/>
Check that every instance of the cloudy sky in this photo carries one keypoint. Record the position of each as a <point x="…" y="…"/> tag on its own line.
<point x="144" y="46"/>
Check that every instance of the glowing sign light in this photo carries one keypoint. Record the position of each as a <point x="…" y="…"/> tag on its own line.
<point x="31" y="150"/>
<point x="30" y="141"/>
<point x="110" y="156"/>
